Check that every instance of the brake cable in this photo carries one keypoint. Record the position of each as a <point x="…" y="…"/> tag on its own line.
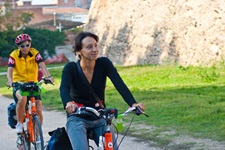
<point x="126" y="131"/>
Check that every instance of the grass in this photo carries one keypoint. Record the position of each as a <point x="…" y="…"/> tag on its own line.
<point x="189" y="100"/>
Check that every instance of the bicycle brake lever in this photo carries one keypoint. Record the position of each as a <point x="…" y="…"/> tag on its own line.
<point x="46" y="81"/>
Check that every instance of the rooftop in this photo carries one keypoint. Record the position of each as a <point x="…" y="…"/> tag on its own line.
<point x="65" y="10"/>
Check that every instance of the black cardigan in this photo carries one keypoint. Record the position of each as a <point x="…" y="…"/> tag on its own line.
<point x="73" y="89"/>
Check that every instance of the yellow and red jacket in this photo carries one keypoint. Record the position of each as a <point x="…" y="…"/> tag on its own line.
<point x="25" y="69"/>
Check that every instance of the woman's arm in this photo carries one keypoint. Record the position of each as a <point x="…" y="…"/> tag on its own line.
<point x="118" y="82"/>
<point x="65" y="86"/>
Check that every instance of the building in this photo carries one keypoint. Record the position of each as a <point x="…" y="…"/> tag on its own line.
<point x="58" y="12"/>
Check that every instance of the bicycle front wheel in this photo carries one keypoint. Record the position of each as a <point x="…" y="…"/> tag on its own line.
<point x="25" y="144"/>
<point x="38" y="135"/>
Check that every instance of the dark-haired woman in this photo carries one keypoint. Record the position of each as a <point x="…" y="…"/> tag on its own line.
<point x="74" y="93"/>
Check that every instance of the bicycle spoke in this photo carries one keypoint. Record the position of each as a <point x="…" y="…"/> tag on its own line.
<point x="39" y="141"/>
<point x="25" y="144"/>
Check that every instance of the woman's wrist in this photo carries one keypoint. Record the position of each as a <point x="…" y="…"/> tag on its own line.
<point x="70" y="102"/>
<point x="134" y="104"/>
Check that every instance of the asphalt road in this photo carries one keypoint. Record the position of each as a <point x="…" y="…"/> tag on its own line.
<point x="52" y="120"/>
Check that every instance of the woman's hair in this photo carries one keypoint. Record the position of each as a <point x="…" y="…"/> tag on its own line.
<point x="78" y="40"/>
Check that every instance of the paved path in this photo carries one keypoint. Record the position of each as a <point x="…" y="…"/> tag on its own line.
<point x="52" y="120"/>
<point x="4" y="73"/>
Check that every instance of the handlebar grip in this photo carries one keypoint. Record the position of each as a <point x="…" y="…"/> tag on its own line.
<point x="47" y="81"/>
<point x="138" y="111"/>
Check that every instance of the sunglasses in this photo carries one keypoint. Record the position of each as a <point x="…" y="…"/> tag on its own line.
<point x="23" y="46"/>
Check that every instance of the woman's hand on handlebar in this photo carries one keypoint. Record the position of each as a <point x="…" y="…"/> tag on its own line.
<point x="140" y="109"/>
<point x="70" y="107"/>
<point x="140" y="105"/>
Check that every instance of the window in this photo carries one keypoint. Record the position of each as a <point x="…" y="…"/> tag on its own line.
<point x="78" y="3"/>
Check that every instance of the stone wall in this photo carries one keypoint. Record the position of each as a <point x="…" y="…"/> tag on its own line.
<point x="186" y="32"/>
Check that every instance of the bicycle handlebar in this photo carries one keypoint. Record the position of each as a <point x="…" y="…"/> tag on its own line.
<point x="31" y="88"/>
<point x="79" y="110"/>
<point x="110" y="112"/>
<point x="32" y="84"/>
<point x="137" y="110"/>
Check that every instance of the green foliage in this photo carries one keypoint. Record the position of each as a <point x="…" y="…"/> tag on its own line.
<point x="7" y="42"/>
<point x="43" y="39"/>
<point x="208" y="75"/>
<point x="10" y="22"/>
<point x="13" y="19"/>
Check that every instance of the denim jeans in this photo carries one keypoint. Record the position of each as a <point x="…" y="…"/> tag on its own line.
<point x="77" y="131"/>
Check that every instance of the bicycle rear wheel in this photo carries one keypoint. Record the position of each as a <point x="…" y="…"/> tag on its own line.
<point x="25" y="144"/>
<point x="38" y="135"/>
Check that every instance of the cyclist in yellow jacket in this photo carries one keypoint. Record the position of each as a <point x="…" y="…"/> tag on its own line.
<point x="23" y="67"/>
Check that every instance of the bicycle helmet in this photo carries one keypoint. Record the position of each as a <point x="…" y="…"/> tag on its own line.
<point x="21" y="38"/>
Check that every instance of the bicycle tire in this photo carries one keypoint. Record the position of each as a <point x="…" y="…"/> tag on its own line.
<point x="38" y="134"/>
<point x="25" y="142"/>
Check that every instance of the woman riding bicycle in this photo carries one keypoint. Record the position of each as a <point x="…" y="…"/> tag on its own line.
<point x="23" y="67"/>
<point x="75" y="94"/>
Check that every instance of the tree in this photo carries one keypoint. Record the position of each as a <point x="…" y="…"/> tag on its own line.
<point x="45" y="40"/>
<point x="10" y="21"/>
<point x="7" y="42"/>
<point x="13" y="19"/>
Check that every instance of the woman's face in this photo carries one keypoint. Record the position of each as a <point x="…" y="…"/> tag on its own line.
<point x="89" y="49"/>
<point x="25" y="47"/>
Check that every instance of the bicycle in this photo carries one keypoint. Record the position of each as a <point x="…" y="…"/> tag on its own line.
<point x="32" y="131"/>
<point x="106" y="140"/>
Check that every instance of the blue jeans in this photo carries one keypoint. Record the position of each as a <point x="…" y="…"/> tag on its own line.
<point x="77" y="131"/>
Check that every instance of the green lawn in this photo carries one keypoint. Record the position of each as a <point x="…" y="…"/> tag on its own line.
<point x="190" y="100"/>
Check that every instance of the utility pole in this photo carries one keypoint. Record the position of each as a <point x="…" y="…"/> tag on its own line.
<point x="54" y="18"/>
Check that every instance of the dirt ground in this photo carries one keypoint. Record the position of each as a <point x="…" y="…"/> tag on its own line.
<point x="170" y="140"/>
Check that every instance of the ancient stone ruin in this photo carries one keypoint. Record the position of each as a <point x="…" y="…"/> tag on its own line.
<point x="184" y="32"/>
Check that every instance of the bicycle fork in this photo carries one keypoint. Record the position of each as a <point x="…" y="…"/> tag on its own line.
<point x="28" y="126"/>
<point x="106" y="141"/>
